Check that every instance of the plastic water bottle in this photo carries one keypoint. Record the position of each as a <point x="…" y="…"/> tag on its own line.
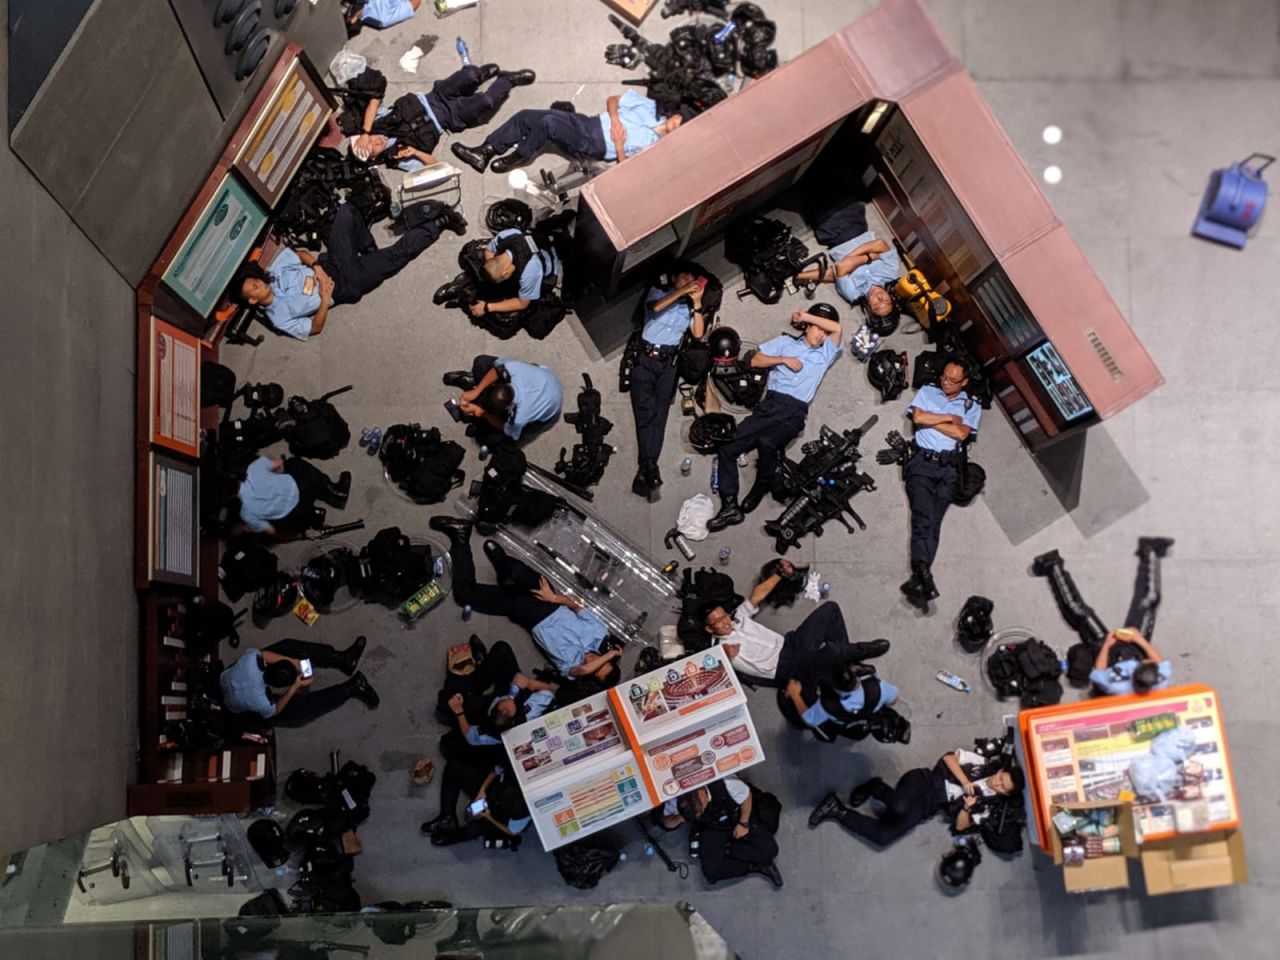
<point x="952" y="681"/>
<point x="715" y="476"/>
<point x="824" y="590"/>
<point x="463" y="51"/>
<point x="648" y="849"/>
<point x="622" y="856"/>
<point x="725" y="554"/>
<point x="484" y="453"/>
<point x="466" y="612"/>
<point x="686" y="466"/>
<point x="725" y="32"/>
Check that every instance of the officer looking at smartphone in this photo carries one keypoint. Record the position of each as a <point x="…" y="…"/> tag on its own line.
<point x="289" y="666"/>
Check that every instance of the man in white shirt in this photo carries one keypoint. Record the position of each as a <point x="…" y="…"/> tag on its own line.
<point x="812" y="650"/>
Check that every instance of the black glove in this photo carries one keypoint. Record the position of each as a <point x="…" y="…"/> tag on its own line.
<point x="897" y="452"/>
<point x="622" y="55"/>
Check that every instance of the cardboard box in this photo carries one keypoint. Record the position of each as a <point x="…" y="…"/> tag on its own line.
<point x="1101" y="873"/>
<point x="633" y="10"/>
<point x="1195" y="862"/>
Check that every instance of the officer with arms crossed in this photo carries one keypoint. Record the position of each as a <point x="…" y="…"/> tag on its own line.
<point x="796" y="368"/>
<point x="503" y="397"/>
<point x="669" y="315"/>
<point x="863" y="266"/>
<point x="944" y="417"/>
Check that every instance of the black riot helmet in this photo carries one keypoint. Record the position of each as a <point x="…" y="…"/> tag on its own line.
<point x="956" y="867"/>
<point x="711" y="431"/>
<point x="887" y="372"/>
<point x="267" y="839"/>
<point x="725" y="344"/>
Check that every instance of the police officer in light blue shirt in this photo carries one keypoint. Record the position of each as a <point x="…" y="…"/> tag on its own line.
<point x="842" y="702"/>
<point x="671" y="311"/>
<point x="1141" y="670"/>
<point x="944" y="416"/>
<point x="503" y="397"/>
<point x="863" y="267"/>
<point x="277" y="497"/>
<point x="571" y="637"/>
<point x="796" y="367"/>
<point x="379" y="14"/>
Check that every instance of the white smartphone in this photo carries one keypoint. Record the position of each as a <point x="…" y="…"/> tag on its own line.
<point x="306" y="668"/>
<point x="478" y="808"/>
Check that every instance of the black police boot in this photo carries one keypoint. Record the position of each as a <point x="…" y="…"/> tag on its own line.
<point x="754" y="496"/>
<point x="462" y="379"/>
<point x="455" y="290"/>
<point x="477" y="157"/>
<point x="925" y="578"/>
<point x="488" y="71"/>
<point x="828" y="808"/>
<point x="336" y="493"/>
<point x="499" y="559"/>
<point x="1157" y="545"/>
<point x="911" y="588"/>
<point x="441" y="824"/>
<point x="769" y="870"/>
<point x="730" y="515"/>
<point x="363" y="691"/>
<point x="1042" y="565"/>
<point x="455" y="528"/>
<point x="451" y="219"/>
<point x="348" y="659"/>
<point x="870" y="649"/>
<point x="520" y="78"/>
<point x="640" y="483"/>
<point x="863" y="791"/>
<point x="509" y="162"/>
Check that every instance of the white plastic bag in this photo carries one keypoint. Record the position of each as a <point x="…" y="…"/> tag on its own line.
<point x="694" y="514"/>
<point x="345" y="66"/>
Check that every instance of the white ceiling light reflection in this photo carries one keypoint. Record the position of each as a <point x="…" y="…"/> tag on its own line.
<point x="1052" y="174"/>
<point x="1052" y="134"/>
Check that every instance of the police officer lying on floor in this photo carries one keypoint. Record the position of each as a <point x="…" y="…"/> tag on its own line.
<point x="629" y="124"/>
<point x="300" y="288"/>
<point x="505" y="815"/>
<point x="863" y="266"/>
<point x="669" y="314"/>
<point x="919" y="795"/>
<point x="378" y="14"/>
<point x="734" y="825"/>
<point x="796" y="368"/>
<point x="492" y="698"/>
<point x="570" y="636"/>
<point x="819" y="645"/>
<point x="944" y="417"/>
<point x="278" y="497"/>
<point x="841" y="702"/>
<point x="1122" y="661"/>
<point x="246" y="683"/>
<point x="503" y="397"/>
<point x="406" y="134"/>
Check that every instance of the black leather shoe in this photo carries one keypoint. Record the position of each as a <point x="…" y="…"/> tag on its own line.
<point x="478" y="649"/>
<point x="862" y="793"/>
<point x="771" y="871"/>
<point x="640" y="485"/>
<point x="754" y="496"/>
<point x="1157" y="545"/>
<point x="349" y="658"/>
<point x="499" y="559"/>
<point x="462" y="379"/>
<point x="441" y="823"/>
<point x="510" y="162"/>
<point x="337" y="493"/>
<point x="730" y="515"/>
<point x="870" y="649"/>
<point x="1044" y="563"/>
<point x="488" y="71"/>
<point x="828" y="808"/>
<point x="924" y="576"/>
<point x="363" y="691"/>
<point x="456" y="290"/>
<point x="520" y="78"/>
<point x="451" y="219"/>
<point x="455" y="528"/>
<point x="477" y="158"/>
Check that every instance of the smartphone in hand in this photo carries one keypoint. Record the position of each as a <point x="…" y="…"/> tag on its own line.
<point x="307" y="671"/>
<point x="451" y="407"/>
<point x="479" y="808"/>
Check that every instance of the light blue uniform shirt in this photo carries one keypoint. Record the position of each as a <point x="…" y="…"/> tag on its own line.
<point x="243" y="688"/>
<point x="539" y="395"/>
<point x="880" y="272"/>
<point x="815" y="360"/>
<point x="852" y="701"/>
<point x="534" y="707"/>
<point x="931" y="399"/>
<point x="535" y="270"/>
<point x="266" y="495"/>
<point x="1118" y="678"/>
<point x="292" y="307"/>
<point x="665" y="329"/>
<point x="639" y="115"/>
<point x="567" y="637"/>
<point x="386" y="13"/>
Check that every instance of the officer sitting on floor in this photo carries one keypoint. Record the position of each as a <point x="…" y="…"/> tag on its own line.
<point x="944" y="417"/>
<point x="840" y="703"/>
<point x="919" y="795"/>
<point x="492" y="698"/>
<point x="734" y="826"/>
<point x="278" y="497"/>
<point x="796" y="368"/>
<point x="406" y="134"/>
<point x="670" y="314"/>
<point x="503" y="397"/>
<point x="246" y="684"/>
<point x="812" y="650"/>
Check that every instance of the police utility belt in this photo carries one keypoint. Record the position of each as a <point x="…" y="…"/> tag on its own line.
<point x="944" y="457"/>
<point x="654" y="352"/>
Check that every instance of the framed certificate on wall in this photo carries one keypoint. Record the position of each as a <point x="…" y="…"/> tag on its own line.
<point x="173" y="523"/>
<point x="174" y="409"/>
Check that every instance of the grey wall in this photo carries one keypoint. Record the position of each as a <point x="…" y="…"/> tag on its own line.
<point x="68" y="615"/>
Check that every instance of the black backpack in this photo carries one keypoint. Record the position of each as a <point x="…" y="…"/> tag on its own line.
<point x="767" y="254"/>
<point x="207" y="624"/>
<point x="390" y="567"/>
<point x="421" y="462"/>
<point x="1001" y="829"/>
<point x="245" y="569"/>
<point x="314" y="428"/>
<point x="217" y="385"/>
<point x="582" y="864"/>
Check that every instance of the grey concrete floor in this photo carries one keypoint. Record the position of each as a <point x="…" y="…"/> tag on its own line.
<point x="1151" y="97"/>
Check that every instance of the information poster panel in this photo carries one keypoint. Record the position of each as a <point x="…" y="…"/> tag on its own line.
<point x="175" y="388"/>
<point x="174" y="523"/>
<point x="286" y="128"/>
<point x="216" y="245"/>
